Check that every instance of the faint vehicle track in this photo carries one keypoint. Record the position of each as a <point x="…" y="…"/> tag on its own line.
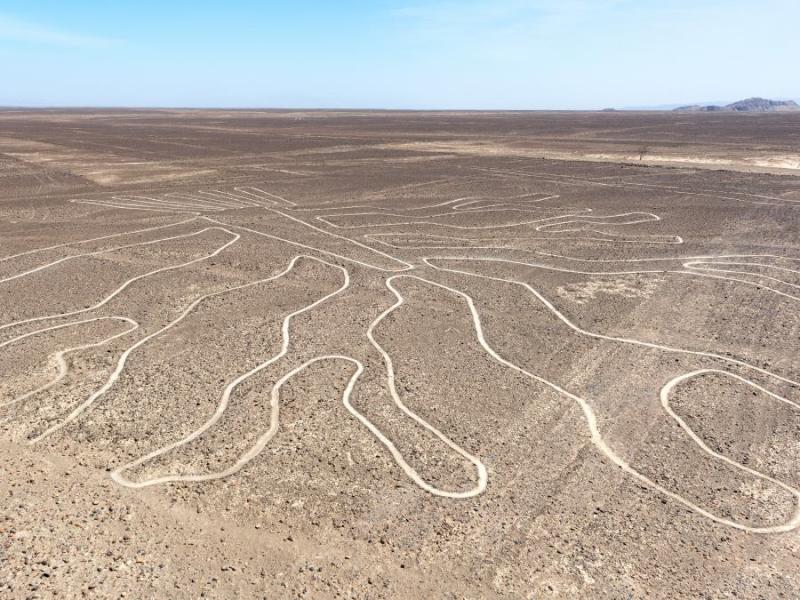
<point x="248" y="198"/>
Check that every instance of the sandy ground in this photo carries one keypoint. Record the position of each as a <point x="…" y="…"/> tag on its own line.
<point x="398" y="355"/>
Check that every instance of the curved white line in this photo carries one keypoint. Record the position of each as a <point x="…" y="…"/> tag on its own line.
<point x="709" y="266"/>
<point x="215" y="204"/>
<point x="121" y="288"/>
<point x="457" y="204"/>
<point x="264" y="439"/>
<point x="242" y="200"/>
<point x="664" y="395"/>
<point x="269" y="195"/>
<point x="93" y="253"/>
<point x="229" y="389"/>
<point x="108" y="204"/>
<point x="255" y="450"/>
<point x="159" y="203"/>
<point x="223" y="200"/>
<point x="63" y="368"/>
<point x="390" y="378"/>
<point x="124" y="357"/>
<point x="407" y="266"/>
<point x="610" y="238"/>
<point x="717" y="194"/>
<point x="694" y="273"/>
<point x="324" y="219"/>
<point x="549" y="305"/>
<point x="665" y="258"/>
<point x="589" y="415"/>
<point x="97" y="239"/>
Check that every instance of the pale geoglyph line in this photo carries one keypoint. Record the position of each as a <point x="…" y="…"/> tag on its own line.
<point x="264" y="195"/>
<point x="181" y="204"/>
<point x="664" y="258"/>
<point x="689" y="270"/>
<point x="406" y="266"/>
<point x="61" y="364"/>
<point x="23" y="336"/>
<point x="144" y="202"/>
<point x="124" y="357"/>
<point x="223" y="198"/>
<point x="192" y="199"/>
<point x="611" y="238"/>
<point x="544" y="224"/>
<point x="110" y="204"/>
<point x="127" y="283"/>
<point x="457" y="204"/>
<point x="393" y="450"/>
<point x="326" y="219"/>
<point x="263" y="440"/>
<point x="483" y="476"/>
<point x="703" y="266"/>
<point x="253" y="451"/>
<point x="203" y="200"/>
<point x="155" y="206"/>
<point x="591" y="418"/>
<point x="603" y="221"/>
<point x="237" y="198"/>
<point x="251" y="198"/>
<point x="158" y="203"/>
<point x="86" y="254"/>
<point x="97" y="239"/>
<point x="578" y="329"/>
<point x="204" y="204"/>
<point x="173" y="202"/>
<point x="200" y="201"/>
<point x="717" y="194"/>
<point x="414" y="185"/>
<point x="664" y="395"/>
<point x="342" y="237"/>
<point x="259" y="196"/>
<point x="709" y="266"/>
<point x="225" y="399"/>
<point x="692" y="263"/>
<point x="707" y="263"/>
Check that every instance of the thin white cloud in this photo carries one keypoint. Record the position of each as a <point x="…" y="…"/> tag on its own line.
<point x="486" y="13"/>
<point x="505" y="30"/>
<point x="17" y="30"/>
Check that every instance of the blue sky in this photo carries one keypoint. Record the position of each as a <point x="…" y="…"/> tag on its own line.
<point x="513" y="54"/>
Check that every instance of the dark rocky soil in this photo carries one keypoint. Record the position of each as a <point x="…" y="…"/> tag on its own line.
<point x="268" y="354"/>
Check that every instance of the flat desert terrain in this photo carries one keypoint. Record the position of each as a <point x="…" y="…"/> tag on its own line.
<point x="297" y="354"/>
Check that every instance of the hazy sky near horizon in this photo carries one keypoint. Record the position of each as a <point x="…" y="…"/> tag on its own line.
<point x="490" y="54"/>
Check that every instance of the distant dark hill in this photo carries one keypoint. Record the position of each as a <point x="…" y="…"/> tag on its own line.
<point x="749" y="105"/>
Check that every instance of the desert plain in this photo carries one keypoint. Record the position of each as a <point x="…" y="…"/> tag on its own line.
<point x="316" y="354"/>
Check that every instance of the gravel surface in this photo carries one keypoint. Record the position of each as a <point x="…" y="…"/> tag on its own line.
<point x="399" y="355"/>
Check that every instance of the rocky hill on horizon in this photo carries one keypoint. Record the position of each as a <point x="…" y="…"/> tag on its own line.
<point x="748" y="105"/>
